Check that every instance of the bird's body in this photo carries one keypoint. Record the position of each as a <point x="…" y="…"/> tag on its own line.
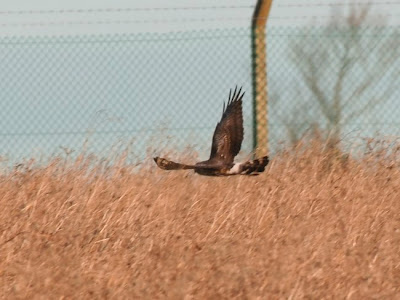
<point x="226" y="143"/>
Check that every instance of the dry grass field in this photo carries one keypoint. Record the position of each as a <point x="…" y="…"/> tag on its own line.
<point x="314" y="225"/>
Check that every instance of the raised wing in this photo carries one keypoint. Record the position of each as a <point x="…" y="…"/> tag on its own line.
<point x="228" y="134"/>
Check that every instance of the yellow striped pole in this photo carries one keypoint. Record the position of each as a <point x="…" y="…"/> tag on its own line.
<point x="260" y="100"/>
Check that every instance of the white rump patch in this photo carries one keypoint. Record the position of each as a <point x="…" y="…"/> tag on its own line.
<point x="236" y="169"/>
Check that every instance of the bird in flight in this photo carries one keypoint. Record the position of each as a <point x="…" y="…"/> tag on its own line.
<point x="226" y="143"/>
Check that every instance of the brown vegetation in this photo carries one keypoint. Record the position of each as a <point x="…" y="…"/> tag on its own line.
<point x="314" y="225"/>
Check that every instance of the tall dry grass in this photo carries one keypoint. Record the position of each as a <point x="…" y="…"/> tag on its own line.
<point x="314" y="225"/>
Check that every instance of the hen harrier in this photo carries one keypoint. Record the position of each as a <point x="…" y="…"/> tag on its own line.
<point x="226" y="143"/>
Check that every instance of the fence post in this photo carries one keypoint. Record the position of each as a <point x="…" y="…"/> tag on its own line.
<point x="260" y="98"/>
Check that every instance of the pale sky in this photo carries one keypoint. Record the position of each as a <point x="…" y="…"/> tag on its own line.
<point x="72" y="17"/>
<point x="53" y="78"/>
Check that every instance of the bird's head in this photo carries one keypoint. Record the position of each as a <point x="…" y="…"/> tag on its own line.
<point x="161" y="162"/>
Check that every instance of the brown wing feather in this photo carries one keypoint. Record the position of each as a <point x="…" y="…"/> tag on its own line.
<point x="228" y="134"/>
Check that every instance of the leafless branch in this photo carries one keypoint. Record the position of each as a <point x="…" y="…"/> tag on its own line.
<point x="342" y="72"/>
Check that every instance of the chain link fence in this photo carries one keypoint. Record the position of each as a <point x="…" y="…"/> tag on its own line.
<point x="342" y="82"/>
<point x="160" y="92"/>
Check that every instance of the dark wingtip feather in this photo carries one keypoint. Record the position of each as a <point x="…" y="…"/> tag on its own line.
<point x="238" y="95"/>
<point x="234" y="94"/>
<point x="241" y="97"/>
<point x="235" y="97"/>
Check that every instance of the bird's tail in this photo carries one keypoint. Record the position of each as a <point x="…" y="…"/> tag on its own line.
<point x="166" y="164"/>
<point x="253" y="167"/>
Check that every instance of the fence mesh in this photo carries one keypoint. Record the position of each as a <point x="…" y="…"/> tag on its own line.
<point x="154" y="92"/>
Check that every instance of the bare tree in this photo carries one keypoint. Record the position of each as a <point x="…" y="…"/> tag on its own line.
<point x="341" y="72"/>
